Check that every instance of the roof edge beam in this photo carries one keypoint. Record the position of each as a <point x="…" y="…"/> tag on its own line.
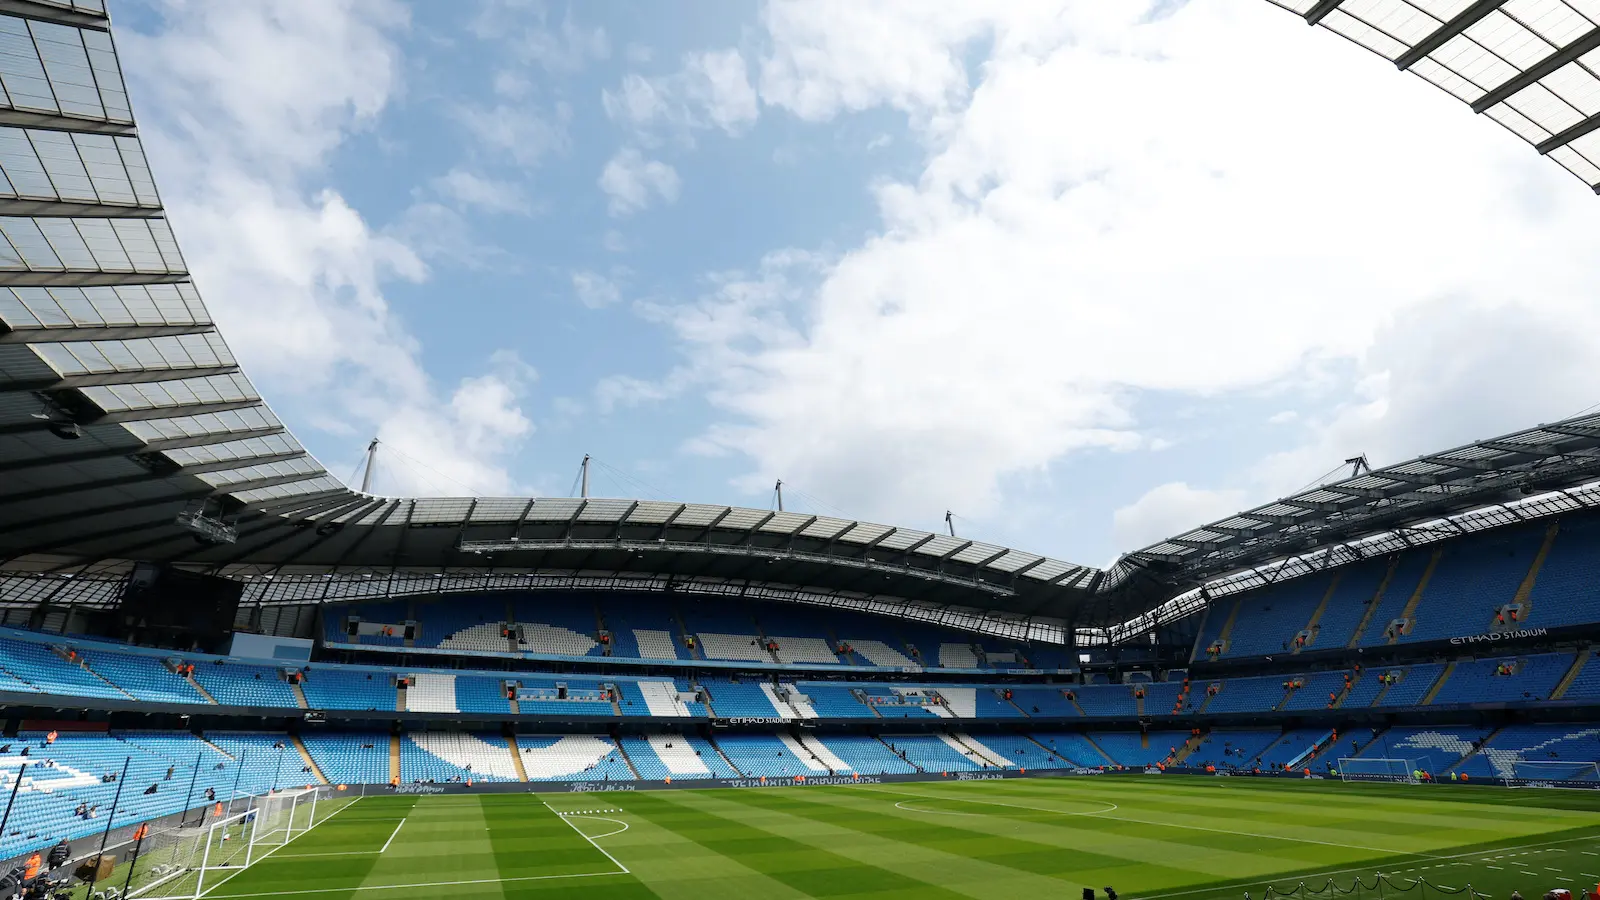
<point x="1511" y="86"/>
<point x="1463" y="20"/>
<point x="99" y="379"/>
<point x="17" y="118"/>
<point x="43" y="12"/>
<point x="68" y="208"/>
<point x="89" y="279"/>
<point x="1320" y="11"/>
<point x="1567" y="136"/>
<point x="76" y="335"/>
<point x="172" y="412"/>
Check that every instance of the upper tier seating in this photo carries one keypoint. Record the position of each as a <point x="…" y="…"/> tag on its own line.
<point x="334" y="687"/>
<point x="1270" y="618"/>
<point x="1564" y="592"/>
<point x="241" y="684"/>
<point x="390" y="613"/>
<point x="1475" y="575"/>
<point x="1353" y="591"/>
<point x="558" y="625"/>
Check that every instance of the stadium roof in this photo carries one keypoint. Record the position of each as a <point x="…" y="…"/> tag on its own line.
<point x="1484" y="473"/>
<point x="1531" y="65"/>
<point x="121" y="407"/>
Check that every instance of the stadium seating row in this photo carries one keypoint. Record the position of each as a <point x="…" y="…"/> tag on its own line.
<point x="41" y="664"/>
<point x="1538" y="575"/>
<point x="641" y="627"/>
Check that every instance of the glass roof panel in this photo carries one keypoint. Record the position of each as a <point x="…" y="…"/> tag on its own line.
<point x="440" y="510"/>
<point x="698" y="515"/>
<point x="254" y="418"/>
<point x="741" y="519"/>
<point x="606" y="510"/>
<point x="902" y="538"/>
<point x="21" y="73"/>
<point x="498" y="509"/>
<point x="653" y="512"/>
<point x="826" y="527"/>
<point x="553" y="509"/>
<point x="785" y="522"/>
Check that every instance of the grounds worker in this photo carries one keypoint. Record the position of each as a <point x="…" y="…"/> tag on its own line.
<point x="30" y="869"/>
<point x="60" y="854"/>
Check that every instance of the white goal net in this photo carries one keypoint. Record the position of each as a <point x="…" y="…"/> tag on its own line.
<point x="1554" y="770"/>
<point x="278" y="817"/>
<point x="1402" y="771"/>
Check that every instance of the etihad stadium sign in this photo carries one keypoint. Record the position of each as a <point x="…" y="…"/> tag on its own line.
<point x="1491" y="636"/>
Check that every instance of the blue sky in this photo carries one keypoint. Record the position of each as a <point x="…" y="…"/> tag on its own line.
<point x="1085" y="274"/>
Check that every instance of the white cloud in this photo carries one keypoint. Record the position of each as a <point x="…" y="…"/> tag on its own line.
<point x="518" y="131"/>
<point x="1168" y="510"/>
<point x="469" y="189"/>
<point x="632" y="183"/>
<point x="1065" y="250"/>
<point x="525" y="27"/>
<point x="241" y="106"/>
<point x="595" y="290"/>
<point x="711" y="90"/>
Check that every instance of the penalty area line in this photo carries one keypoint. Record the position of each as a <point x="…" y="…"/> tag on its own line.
<point x="574" y="827"/>
<point x="423" y="884"/>
<point x="392" y="836"/>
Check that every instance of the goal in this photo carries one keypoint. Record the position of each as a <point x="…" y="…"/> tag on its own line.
<point x="1403" y="771"/>
<point x="278" y="818"/>
<point x="1554" y="770"/>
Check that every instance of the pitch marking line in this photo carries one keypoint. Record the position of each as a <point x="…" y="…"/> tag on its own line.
<point x="614" y="860"/>
<point x="1101" y="814"/>
<point x="424" y="884"/>
<point x="243" y="869"/>
<point x="392" y="837"/>
<point x="1243" y="882"/>
<point x="603" y="819"/>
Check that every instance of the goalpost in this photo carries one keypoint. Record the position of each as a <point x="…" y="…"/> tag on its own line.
<point x="179" y="862"/>
<point x="1401" y="771"/>
<point x="1554" y="770"/>
<point x="278" y="817"/>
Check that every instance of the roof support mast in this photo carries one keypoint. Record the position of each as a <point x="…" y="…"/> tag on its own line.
<point x="778" y="489"/>
<point x="372" y="460"/>
<point x="583" y="472"/>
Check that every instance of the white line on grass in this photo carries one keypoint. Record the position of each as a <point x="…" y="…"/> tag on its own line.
<point x="603" y="819"/>
<point x="613" y="859"/>
<point x="424" y="884"/>
<point x="1102" y="814"/>
<point x="341" y="853"/>
<point x="392" y="836"/>
<point x="297" y="837"/>
<point x="1366" y="867"/>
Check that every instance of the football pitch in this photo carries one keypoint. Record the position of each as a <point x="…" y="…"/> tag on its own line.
<point x="1149" y="837"/>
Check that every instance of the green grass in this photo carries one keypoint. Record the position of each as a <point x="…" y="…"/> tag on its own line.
<point x="1186" y="838"/>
